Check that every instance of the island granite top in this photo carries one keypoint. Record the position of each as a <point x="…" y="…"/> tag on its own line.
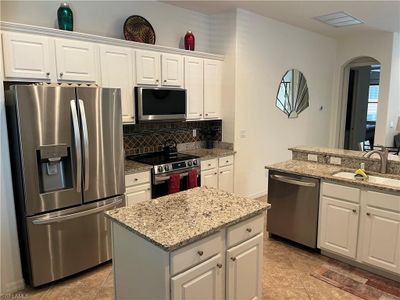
<point x="173" y="221"/>
<point x="326" y="171"/>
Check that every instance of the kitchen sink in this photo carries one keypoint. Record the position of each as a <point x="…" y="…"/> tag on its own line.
<point x="390" y="182"/>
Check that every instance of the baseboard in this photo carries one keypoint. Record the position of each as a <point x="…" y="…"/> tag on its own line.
<point x="13" y="287"/>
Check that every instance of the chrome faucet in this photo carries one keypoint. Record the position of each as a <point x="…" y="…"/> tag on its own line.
<point x="384" y="156"/>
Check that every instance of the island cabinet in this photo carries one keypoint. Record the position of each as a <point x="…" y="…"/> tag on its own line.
<point x="361" y="225"/>
<point x="223" y="265"/>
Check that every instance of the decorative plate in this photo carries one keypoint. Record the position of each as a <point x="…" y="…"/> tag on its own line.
<point x="138" y="29"/>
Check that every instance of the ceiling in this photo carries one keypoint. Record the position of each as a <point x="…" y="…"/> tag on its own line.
<point x="377" y="15"/>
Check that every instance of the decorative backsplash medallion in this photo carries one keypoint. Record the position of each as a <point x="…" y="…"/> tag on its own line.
<point x="150" y="137"/>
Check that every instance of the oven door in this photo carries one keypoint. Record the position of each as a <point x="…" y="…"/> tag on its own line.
<point x="160" y="182"/>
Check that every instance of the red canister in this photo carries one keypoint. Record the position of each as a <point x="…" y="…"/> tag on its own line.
<point x="189" y="41"/>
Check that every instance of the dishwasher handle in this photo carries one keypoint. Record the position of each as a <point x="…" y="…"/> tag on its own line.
<point x="292" y="181"/>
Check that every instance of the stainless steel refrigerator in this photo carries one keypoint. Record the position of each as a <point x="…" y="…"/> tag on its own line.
<point x="67" y="160"/>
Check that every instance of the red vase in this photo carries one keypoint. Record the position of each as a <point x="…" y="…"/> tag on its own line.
<point x="189" y="41"/>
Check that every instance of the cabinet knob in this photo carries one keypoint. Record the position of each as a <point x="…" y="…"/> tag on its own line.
<point x="215" y="173"/>
<point x="233" y="258"/>
<point x="136" y="179"/>
<point x="354" y="211"/>
<point x="368" y="214"/>
<point x="220" y="172"/>
<point x="200" y="115"/>
<point x="226" y="161"/>
<point x="156" y="80"/>
<point x="47" y="74"/>
<point x="200" y="253"/>
<point x="249" y="229"/>
<point x="148" y="189"/>
<point x="165" y="80"/>
<point x="219" y="266"/>
<point x="61" y="74"/>
<point x="206" y="114"/>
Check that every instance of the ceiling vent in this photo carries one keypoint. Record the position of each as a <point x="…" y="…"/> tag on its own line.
<point x="339" y="19"/>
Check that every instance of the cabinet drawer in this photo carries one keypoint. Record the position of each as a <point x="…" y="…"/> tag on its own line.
<point x="209" y="164"/>
<point x="225" y="161"/>
<point x="197" y="252"/>
<point x="137" y="178"/>
<point x="245" y="230"/>
<point x="341" y="192"/>
<point x="385" y="201"/>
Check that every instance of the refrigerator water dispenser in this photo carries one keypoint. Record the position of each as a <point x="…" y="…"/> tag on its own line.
<point x="55" y="168"/>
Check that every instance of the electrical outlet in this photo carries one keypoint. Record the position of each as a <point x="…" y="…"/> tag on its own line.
<point x="312" y="157"/>
<point x="335" y="160"/>
<point x="194" y="132"/>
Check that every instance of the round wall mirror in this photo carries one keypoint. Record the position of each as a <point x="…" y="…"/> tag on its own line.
<point x="292" y="96"/>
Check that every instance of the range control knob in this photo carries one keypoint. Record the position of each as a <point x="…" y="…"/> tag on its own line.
<point x="166" y="168"/>
<point x="195" y="162"/>
<point x="160" y="169"/>
<point x="189" y="163"/>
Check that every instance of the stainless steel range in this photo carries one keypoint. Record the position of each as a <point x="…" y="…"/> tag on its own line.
<point x="164" y="165"/>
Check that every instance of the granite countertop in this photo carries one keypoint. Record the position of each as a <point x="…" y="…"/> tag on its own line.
<point x="176" y="220"/>
<point x="326" y="171"/>
<point x="205" y="154"/>
<point x="132" y="167"/>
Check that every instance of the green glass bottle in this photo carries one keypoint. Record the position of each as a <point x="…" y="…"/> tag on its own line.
<point x="65" y="17"/>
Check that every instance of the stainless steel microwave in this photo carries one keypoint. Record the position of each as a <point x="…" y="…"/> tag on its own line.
<point x="154" y="104"/>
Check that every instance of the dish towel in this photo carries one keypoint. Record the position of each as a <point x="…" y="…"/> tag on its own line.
<point x="192" y="179"/>
<point x="174" y="183"/>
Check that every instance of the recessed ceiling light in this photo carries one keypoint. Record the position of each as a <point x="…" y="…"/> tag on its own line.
<point x="339" y="19"/>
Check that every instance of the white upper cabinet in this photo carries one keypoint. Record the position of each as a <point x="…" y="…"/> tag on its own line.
<point x="117" y="72"/>
<point x="75" y="60"/>
<point x="147" y="68"/>
<point x="172" y="70"/>
<point x="27" y="56"/>
<point x="194" y="86"/>
<point x="212" y="88"/>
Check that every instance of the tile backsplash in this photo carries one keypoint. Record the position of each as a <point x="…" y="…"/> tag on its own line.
<point x="150" y="137"/>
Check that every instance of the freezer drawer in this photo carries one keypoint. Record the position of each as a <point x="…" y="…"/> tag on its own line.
<point x="294" y="207"/>
<point x="69" y="241"/>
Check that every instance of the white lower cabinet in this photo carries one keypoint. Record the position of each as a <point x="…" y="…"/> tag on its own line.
<point x="138" y="188"/>
<point x="368" y="232"/>
<point x="225" y="265"/>
<point x="339" y="226"/>
<point x="244" y="270"/>
<point x="204" y="281"/>
<point x="218" y="173"/>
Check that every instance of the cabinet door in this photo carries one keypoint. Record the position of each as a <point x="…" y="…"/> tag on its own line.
<point x="194" y="87"/>
<point x="381" y="238"/>
<point x="339" y="226"/>
<point x="172" y="70"/>
<point x="137" y="194"/>
<point x="147" y="68"/>
<point x="244" y="270"/>
<point x="212" y="88"/>
<point x="210" y="178"/>
<point x="204" y="281"/>
<point x="117" y="72"/>
<point x="27" y="56"/>
<point x="75" y="60"/>
<point x="225" y="179"/>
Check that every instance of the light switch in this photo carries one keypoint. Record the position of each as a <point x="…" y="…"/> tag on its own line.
<point x="312" y="157"/>
<point x="243" y="133"/>
<point x="335" y="160"/>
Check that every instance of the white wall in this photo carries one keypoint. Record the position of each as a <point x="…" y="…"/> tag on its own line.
<point x="10" y="266"/>
<point x="266" y="49"/>
<point x="223" y="41"/>
<point x="107" y="18"/>
<point x="378" y="46"/>
<point x="394" y="91"/>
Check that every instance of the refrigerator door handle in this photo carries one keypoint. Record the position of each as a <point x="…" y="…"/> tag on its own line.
<point x="57" y="219"/>
<point x="78" y="149"/>
<point x="85" y="144"/>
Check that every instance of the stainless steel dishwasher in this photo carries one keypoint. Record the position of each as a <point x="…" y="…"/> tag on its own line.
<point x="294" y="207"/>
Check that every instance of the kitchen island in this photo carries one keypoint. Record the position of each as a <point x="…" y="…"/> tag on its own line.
<point x="189" y="245"/>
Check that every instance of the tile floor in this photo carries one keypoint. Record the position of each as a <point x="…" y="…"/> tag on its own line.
<point x="286" y="276"/>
